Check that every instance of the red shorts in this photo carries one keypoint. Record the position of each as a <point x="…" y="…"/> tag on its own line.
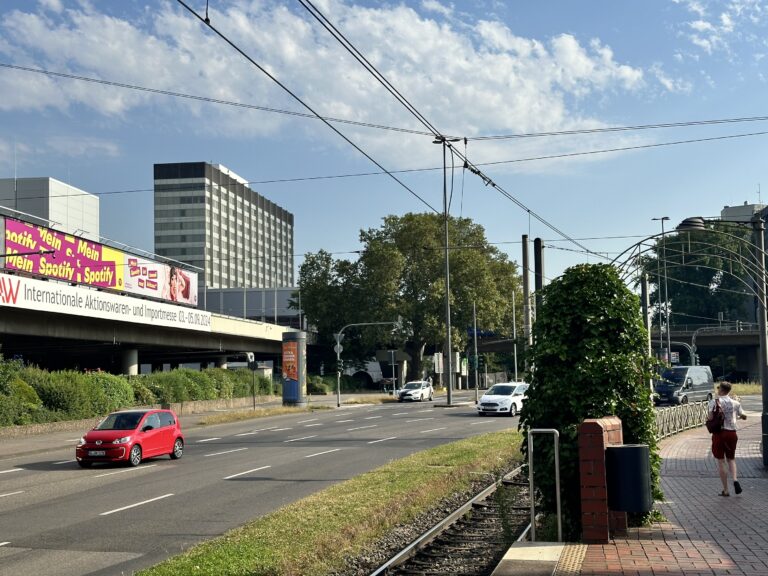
<point x="724" y="444"/>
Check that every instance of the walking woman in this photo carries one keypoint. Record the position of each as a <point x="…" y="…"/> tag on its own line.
<point x="724" y="442"/>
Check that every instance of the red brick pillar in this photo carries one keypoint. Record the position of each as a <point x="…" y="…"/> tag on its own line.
<point x="597" y="522"/>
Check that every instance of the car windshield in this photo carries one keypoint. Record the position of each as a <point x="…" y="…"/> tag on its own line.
<point x="520" y="389"/>
<point x="501" y="390"/>
<point x="673" y="375"/>
<point x="413" y="386"/>
<point x="120" y="421"/>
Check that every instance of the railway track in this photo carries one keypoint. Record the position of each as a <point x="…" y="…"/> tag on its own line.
<point x="472" y="540"/>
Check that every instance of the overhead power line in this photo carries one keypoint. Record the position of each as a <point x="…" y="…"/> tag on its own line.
<point x="293" y="95"/>
<point x="522" y="135"/>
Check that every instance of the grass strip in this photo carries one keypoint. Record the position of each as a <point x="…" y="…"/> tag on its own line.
<point x="313" y="536"/>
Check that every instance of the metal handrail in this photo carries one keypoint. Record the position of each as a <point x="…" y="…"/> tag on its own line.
<point x="556" y="435"/>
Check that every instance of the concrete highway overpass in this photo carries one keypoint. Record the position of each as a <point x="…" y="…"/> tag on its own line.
<point x="56" y="325"/>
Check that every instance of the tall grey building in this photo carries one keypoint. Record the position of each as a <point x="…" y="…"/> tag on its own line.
<point x="54" y="204"/>
<point x="208" y="217"/>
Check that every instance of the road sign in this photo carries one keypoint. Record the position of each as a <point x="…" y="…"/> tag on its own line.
<point x="338" y="348"/>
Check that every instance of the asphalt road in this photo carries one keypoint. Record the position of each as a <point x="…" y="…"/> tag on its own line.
<point x="59" y="519"/>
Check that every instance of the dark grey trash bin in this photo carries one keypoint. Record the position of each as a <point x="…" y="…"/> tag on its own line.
<point x="628" y="476"/>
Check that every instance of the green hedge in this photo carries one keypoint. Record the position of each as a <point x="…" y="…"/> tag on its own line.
<point x="32" y="395"/>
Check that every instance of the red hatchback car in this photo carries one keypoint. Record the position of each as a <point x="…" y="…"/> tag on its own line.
<point x="130" y="436"/>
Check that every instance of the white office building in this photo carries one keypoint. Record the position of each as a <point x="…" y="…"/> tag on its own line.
<point x="51" y="203"/>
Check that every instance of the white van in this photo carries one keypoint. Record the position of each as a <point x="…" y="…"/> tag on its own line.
<point x="683" y="384"/>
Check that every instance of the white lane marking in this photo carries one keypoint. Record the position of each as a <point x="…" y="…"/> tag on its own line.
<point x="400" y="413"/>
<point x="382" y="440"/>
<point x="127" y="470"/>
<point x="420" y="419"/>
<point x="4" y="543"/>
<point x="371" y="417"/>
<point x="208" y="440"/>
<point x="432" y="430"/>
<point x="321" y="453"/>
<point x="225" y="452"/>
<point x="256" y="431"/>
<point x="246" y="472"/>
<point x="430" y="410"/>
<point x="362" y="427"/>
<point x="65" y="462"/>
<point x="11" y="493"/>
<point x="134" y="505"/>
<point x="343" y="421"/>
<point x="11" y="470"/>
<point x="280" y="429"/>
<point x="483" y="422"/>
<point x="302" y="438"/>
<point x="310" y="420"/>
<point x="311" y="425"/>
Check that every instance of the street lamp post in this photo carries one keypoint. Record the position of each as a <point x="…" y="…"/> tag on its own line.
<point x="666" y="292"/>
<point x="339" y="336"/>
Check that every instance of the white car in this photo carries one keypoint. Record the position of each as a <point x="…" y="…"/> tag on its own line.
<point x="506" y="398"/>
<point x="417" y="390"/>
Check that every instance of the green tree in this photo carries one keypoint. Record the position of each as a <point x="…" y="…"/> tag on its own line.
<point x="708" y="273"/>
<point x="400" y="274"/>
<point x="589" y="357"/>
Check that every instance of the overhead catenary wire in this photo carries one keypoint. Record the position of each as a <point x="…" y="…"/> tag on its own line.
<point x="439" y="137"/>
<point x="240" y="51"/>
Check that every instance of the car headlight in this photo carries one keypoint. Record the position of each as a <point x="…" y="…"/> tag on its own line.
<point x="81" y="441"/>
<point x="123" y="440"/>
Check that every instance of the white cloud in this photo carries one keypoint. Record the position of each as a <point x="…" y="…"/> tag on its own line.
<point x="437" y="7"/>
<point x="469" y="78"/>
<point x="80" y="146"/>
<point x="673" y="85"/>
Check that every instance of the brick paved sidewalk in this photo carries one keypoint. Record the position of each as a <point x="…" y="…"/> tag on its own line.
<point x="705" y="534"/>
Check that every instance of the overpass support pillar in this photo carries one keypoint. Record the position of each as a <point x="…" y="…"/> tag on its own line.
<point x="221" y="362"/>
<point x="131" y="362"/>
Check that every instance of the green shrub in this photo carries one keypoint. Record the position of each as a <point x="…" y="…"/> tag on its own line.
<point x="117" y="390"/>
<point x="70" y="393"/>
<point x="11" y="410"/>
<point x="317" y="386"/>
<point x="200" y="386"/>
<point x="223" y="384"/>
<point x="24" y="392"/>
<point x="590" y="361"/>
<point x="8" y="369"/>
<point x="168" y="387"/>
<point x="142" y="395"/>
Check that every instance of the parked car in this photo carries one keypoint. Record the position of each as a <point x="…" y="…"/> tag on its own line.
<point x="681" y="384"/>
<point x="130" y="436"/>
<point x="417" y="390"/>
<point x="506" y="398"/>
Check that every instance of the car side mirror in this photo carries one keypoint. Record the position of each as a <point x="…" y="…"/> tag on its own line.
<point x="147" y="428"/>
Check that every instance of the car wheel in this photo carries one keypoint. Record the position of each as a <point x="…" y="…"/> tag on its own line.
<point x="513" y="410"/>
<point x="84" y="463"/>
<point x="684" y="400"/>
<point x="709" y="396"/>
<point x="134" y="458"/>
<point x="430" y="396"/>
<point x="481" y="413"/>
<point x="178" y="449"/>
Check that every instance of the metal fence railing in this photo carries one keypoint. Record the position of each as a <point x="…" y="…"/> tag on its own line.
<point x="678" y="418"/>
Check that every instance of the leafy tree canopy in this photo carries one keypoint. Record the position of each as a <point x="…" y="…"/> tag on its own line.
<point x="708" y="272"/>
<point x="400" y="274"/>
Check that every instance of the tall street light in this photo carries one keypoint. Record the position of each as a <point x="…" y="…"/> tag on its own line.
<point x="666" y="293"/>
<point x="338" y="349"/>
<point x="758" y="227"/>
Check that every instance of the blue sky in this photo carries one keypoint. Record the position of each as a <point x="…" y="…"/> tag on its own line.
<point x="473" y="69"/>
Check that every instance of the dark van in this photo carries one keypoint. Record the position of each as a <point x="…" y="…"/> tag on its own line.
<point x="683" y="384"/>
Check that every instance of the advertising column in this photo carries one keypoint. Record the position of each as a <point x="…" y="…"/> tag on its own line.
<point x="294" y="369"/>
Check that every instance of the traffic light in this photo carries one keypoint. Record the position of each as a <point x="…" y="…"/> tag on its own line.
<point x="481" y="362"/>
<point x="340" y="365"/>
